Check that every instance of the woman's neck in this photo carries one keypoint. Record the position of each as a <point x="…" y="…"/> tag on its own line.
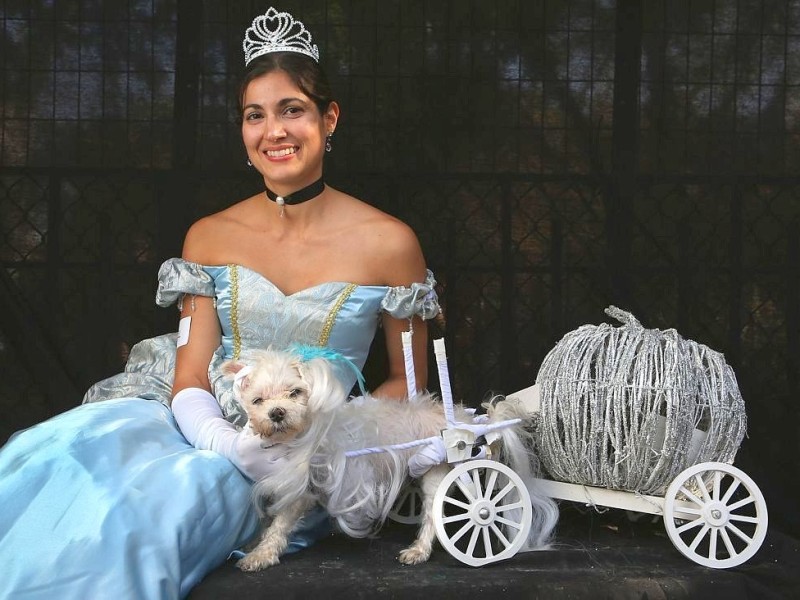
<point x="299" y="196"/>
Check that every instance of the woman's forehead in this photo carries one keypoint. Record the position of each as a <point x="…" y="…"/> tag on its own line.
<point x="273" y="87"/>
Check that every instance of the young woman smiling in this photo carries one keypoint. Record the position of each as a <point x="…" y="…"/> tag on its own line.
<point x="120" y="497"/>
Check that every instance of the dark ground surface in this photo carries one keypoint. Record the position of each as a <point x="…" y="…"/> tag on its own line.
<point x="595" y="556"/>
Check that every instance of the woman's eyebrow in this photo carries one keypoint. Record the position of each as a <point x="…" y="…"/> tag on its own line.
<point x="286" y="101"/>
<point x="281" y="103"/>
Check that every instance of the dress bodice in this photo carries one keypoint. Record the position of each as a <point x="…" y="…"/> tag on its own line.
<point x="254" y="313"/>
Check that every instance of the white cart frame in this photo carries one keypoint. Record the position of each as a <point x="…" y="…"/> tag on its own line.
<point x="714" y="514"/>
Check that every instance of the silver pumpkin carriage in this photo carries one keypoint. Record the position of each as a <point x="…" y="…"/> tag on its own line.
<point x="626" y="417"/>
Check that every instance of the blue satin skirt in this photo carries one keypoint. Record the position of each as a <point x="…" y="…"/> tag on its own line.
<point x="109" y="500"/>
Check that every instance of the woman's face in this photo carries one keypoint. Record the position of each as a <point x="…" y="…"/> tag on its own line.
<point x="284" y="133"/>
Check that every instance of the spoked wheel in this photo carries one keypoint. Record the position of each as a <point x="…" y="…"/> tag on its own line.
<point x="482" y="511"/>
<point x="408" y="507"/>
<point x="715" y="515"/>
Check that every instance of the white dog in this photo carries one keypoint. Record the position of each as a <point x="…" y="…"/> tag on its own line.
<point x="301" y="405"/>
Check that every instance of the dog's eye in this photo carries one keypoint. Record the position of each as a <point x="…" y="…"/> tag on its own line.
<point x="295" y="393"/>
<point x="258" y="400"/>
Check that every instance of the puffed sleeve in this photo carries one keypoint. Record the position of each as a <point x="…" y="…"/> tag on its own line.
<point x="418" y="300"/>
<point x="177" y="277"/>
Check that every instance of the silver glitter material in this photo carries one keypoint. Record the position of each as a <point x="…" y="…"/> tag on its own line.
<point x="621" y="406"/>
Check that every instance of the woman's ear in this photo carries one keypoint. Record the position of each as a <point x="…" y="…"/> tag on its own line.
<point x="331" y="117"/>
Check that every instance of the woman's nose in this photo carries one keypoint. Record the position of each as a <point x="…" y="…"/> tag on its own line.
<point x="274" y="130"/>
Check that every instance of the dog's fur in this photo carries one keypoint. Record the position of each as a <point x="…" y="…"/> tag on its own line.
<point x="302" y="405"/>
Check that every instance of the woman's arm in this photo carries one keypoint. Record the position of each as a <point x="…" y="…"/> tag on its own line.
<point x="404" y="264"/>
<point x="204" y="332"/>
<point x="194" y="406"/>
<point x="193" y="358"/>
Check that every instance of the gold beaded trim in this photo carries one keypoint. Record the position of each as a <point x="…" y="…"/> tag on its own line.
<point x="237" y="336"/>
<point x="331" y="318"/>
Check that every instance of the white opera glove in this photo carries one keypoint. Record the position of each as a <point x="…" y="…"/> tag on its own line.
<point x="255" y="460"/>
<point x="430" y="455"/>
<point x="200" y="419"/>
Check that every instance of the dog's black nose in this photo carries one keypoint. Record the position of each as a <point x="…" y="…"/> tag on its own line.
<point x="277" y="414"/>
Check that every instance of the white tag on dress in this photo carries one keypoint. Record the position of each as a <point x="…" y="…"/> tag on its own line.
<point x="183" y="331"/>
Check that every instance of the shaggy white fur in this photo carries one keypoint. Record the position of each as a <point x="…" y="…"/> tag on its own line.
<point x="301" y="404"/>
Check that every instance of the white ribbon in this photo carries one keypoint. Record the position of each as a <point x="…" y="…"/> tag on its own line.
<point x="408" y="356"/>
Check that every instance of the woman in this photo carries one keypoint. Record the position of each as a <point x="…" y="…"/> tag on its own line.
<point x="109" y="499"/>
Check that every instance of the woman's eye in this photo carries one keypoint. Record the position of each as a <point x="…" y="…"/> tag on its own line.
<point x="252" y="116"/>
<point x="293" y="111"/>
<point x="257" y="401"/>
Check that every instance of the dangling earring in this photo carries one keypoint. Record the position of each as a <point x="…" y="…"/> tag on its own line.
<point x="249" y="164"/>
<point x="328" y="146"/>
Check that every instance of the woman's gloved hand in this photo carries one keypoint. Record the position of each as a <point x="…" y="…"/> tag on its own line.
<point x="200" y="419"/>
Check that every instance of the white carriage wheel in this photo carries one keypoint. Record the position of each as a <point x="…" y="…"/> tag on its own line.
<point x="482" y="512"/>
<point x="715" y="515"/>
<point x="407" y="508"/>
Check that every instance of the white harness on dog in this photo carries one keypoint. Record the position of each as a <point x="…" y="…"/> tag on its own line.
<point x="459" y="438"/>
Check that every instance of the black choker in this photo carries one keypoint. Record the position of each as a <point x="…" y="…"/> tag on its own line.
<point x="307" y="193"/>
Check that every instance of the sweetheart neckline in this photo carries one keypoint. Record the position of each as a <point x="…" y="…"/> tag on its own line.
<point x="298" y="292"/>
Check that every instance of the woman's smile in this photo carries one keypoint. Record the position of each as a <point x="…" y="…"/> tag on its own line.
<point x="282" y="154"/>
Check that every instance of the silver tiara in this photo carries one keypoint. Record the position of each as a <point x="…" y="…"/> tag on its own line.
<point x="277" y="32"/>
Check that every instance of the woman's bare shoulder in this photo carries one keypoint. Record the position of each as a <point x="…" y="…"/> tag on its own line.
<point x="206" y="236"/>
<point x="393" y="246"/>
<point x="364" y="215"/>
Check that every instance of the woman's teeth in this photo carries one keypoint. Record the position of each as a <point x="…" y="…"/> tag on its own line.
<point x="279" y="153"/>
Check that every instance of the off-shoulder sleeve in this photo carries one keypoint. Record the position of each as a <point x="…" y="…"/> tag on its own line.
<point x="177" y="277"/>
<point x="418" y="300"/>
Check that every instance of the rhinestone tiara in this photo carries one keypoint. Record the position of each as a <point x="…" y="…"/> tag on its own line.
<point x="277" y="32"/>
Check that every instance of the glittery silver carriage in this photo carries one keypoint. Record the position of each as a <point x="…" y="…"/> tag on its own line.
<point x="629" y="408"/>
<point x="631" y="418"/>
<point x="644" y="420"/>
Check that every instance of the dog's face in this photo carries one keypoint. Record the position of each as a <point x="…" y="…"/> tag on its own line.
<point x="274" y="392"/>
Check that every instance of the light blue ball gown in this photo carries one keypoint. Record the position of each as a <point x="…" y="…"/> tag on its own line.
<point x="108" y="500"/>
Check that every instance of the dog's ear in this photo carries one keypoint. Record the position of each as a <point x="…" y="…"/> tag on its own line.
<point x="325" y="391"/>
<point x="238" y="371"/>
<point x="231" y="367"/>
